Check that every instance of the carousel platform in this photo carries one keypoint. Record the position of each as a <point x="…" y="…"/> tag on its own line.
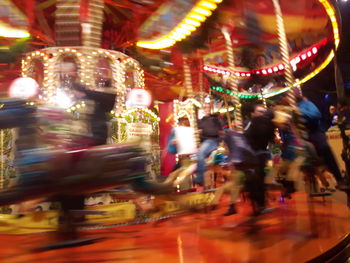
<point x="299" y="230"/>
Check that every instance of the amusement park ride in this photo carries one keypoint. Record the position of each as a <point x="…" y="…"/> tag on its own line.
<point x="252" y="51"/>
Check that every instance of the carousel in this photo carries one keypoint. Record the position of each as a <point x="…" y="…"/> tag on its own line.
<point x="162" y="63"/>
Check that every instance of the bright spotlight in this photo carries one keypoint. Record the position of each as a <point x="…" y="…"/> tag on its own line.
<point x="62" y="99"/>
<point x="24" y="88"/>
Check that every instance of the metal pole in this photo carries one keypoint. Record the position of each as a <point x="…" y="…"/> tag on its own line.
<point x="232" y="81"/>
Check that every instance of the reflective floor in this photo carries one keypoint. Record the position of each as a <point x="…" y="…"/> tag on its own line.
<point x="295" y="231"/>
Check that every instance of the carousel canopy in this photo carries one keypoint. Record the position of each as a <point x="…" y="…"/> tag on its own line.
<point x="251" y="24"/>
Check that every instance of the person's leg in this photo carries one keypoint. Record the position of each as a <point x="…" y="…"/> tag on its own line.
<point x="204" y="151"/>
<point x="234" y="191"/>
<point x="68" y="223"/>
<point x="324" y="151"/>
<point x="331" y="163"/>
<point x="259" y="184"/>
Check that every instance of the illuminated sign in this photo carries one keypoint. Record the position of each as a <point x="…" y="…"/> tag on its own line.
<point x="138" y="98"/>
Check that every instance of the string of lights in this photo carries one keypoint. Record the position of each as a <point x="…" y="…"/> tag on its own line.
<point x="198" y="14"/>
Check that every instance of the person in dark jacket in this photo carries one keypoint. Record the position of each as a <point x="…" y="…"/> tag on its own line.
<point x="259" y="134"/>
<point x="210" y="128"/>
<point x="312" y="119"/>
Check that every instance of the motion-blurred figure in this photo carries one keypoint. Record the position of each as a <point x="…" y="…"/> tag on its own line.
<point x="259" y="133"/>
<point x="210" y="128"/>
<point x="312" y="119"/>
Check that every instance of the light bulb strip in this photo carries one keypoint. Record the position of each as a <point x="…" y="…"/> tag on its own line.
<point x="198" y="14"/>
<point x="336" y="37"/>
<point x="51" y="57"/>
<point x="277" y="92"/>
<point x="124" y="115"/>
<point x="275" y="69"/>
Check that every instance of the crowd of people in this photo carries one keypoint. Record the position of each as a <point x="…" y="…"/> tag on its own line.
<point x="297" y="132"/>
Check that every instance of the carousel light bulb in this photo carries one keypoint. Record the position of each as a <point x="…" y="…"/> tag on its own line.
<point x="13" y="33"/>
<point x="197" y="17"/>
<point x="192" y="22"/>
<point x="202" y="11"/>
<point x="188" y="27"/>
<point x="208" y="4"/>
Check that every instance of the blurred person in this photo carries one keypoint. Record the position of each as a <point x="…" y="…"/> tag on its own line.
<point x="291" y="145"/>
<point x="306" y="149"/>
<point x="233" y="177"/>
<point x="259" y="132"/>
<point x="331" y="118"/>
<point x="185" y="166"/>
<point x="312" y="119"/>
<point x="171" y="144"/>
<point x="210" y="128"/>
<point x="233" y="187"/>
<point x="102" y="103"/>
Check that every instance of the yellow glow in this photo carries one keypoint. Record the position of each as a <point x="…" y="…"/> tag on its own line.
<point x="163" y="43"/>
<point x="193" y="19"/>
<point x="192" y="22"/>
<point x="331" y="13"/>
<point x="183" y="31"/>
<point x="208" y="5"/>
<point x="188" y="27"/>
<point x="176" y="36"/>
<point x="197" y="17"/>
<point x="202" y="11"/>
<point x="13" y="33"/>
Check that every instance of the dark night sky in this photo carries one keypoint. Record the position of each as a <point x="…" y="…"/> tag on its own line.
<point x="321" y="89"/>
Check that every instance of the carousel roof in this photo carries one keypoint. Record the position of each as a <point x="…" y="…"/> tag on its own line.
<point x="251" y="23"/>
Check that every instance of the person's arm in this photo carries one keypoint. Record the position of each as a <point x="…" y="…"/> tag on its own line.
<point x="309" y="110"/>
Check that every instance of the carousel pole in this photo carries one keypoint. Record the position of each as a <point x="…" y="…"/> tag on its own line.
<point x="92" y="23"/>
<point x="232" y="81"/>
<point x="263" y="98"/>
<point x="189" y="89"/>
<point x="283" y="43"/>
<point x="227" y="112"/>
<point x="200" y="78"/>
<point x="288" y="72"/>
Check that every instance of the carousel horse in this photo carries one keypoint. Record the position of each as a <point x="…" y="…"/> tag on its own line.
<point x="46" y="172"/>
<point x="64" y="174"/>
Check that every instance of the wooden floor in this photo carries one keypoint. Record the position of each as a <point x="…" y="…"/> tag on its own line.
<point x="296" y="231"/>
